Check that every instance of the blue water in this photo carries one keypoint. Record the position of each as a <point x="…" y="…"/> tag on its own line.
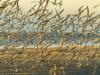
<point x="52" y="38"/>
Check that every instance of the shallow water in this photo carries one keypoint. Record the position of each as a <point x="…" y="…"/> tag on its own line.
<point x="55" y="67"/>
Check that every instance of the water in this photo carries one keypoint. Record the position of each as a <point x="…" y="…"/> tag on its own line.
<point x="53" y="38"/>
<point x="55" y="67"/>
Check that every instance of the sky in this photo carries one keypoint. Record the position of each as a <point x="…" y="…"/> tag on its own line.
<point x="70" y="6"/>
